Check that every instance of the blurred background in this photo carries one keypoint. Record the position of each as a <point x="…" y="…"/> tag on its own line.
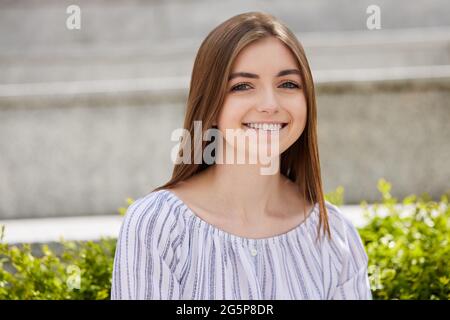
<point x="86" y="115"/>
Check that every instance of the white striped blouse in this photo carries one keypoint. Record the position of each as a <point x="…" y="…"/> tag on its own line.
<point x="165" y="251"/>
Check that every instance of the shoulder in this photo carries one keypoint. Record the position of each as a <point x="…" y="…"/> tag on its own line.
<point x="341" y="226"/>
<point x="150" y="219"/>
<point x="344" y="234"/>
<point x="151" y="206"/>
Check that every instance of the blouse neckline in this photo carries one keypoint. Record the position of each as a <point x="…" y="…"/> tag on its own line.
<point x="235" y="237"/>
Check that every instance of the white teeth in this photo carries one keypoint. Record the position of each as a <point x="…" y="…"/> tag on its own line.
<point x="265" y="126"/>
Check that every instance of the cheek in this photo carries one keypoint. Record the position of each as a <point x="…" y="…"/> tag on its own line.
<point x="231" y="115"/>
<point x="299" y="114"/>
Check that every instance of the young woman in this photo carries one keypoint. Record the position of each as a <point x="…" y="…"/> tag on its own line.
<point x="224" y="230"/>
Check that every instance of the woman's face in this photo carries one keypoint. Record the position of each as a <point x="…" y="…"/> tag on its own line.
<point x="265" y="93"/>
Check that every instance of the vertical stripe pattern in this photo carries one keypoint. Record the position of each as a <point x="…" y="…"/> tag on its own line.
<point x="165" y="251"/>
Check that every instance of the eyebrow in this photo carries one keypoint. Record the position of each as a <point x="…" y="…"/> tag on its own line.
<point x="255" y="76"/>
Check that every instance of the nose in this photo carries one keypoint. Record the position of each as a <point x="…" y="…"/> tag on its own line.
<point x="268" y="102"/>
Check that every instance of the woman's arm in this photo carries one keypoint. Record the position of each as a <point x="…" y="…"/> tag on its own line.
<point x="353" y="283"/>
<point x="139" y="270"/>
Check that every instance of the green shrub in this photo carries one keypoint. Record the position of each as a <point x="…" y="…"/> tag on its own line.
<point x="81" y="271"/>
<point x="72" y="270"/>
<point x="409" y="253"/>
<point x="408" y="256"/>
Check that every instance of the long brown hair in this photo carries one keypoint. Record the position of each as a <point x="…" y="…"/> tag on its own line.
<point x="212" y="66"/>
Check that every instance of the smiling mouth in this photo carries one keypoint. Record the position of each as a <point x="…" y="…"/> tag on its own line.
<point x="265" y="126"/>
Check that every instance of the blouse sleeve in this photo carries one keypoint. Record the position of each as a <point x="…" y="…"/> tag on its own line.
<point x="140" y="271"/>
<point x="354" y="281"/>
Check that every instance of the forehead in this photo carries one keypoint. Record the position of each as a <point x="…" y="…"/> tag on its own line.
<point x="268" y="53"/>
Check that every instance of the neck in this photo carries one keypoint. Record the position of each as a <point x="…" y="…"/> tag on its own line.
<point x="248" y="193"/>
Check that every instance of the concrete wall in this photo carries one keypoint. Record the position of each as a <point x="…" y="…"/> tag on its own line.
<point x="398" y="130"/>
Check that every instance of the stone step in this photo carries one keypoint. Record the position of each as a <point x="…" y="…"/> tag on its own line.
<point x="338" y="50"/>
<point x="25" y="24"/>
<point x="164" y="87"/>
